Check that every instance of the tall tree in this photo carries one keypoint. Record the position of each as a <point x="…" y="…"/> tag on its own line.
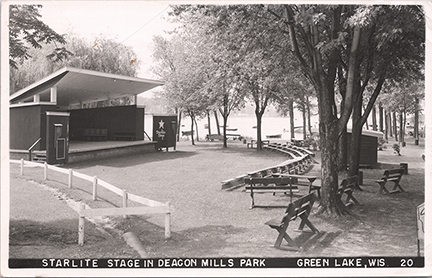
<point x="179" y="63"/>
<point x="385" y="49"/>
<point x="27" y="30"/>
<point x="314" y="33"/>
<point x="107" y="56"/>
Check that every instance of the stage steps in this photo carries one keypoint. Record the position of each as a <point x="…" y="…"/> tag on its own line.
<point x="40" y="157"/>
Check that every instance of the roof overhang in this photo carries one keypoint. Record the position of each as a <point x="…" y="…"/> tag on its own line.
<point x="75" y="86"/>
<point x="370" y="133"/>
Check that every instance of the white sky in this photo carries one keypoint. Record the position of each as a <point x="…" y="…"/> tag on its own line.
<point x="132" y="23"/>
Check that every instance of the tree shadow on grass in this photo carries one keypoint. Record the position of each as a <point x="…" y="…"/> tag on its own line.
<point x="202" y="241"/>
<point x="316" y="243"/>
<point x="59" y="239"/>
<point x="55" y="233"/>
<point x="132" y="160"/>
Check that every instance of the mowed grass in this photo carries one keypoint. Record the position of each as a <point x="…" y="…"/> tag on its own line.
<point x="211" y="222"/>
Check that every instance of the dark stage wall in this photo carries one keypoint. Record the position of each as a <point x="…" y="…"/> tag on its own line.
<point x="27" y="124"/>
<point x="119" y="119"/>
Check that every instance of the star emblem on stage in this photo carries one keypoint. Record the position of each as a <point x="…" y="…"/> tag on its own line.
<point x="161" y="124"/>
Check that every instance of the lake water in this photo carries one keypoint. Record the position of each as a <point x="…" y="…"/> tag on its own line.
<point x="245" y="126"/>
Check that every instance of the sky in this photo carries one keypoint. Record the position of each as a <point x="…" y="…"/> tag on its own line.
<point x="132" y="23"/>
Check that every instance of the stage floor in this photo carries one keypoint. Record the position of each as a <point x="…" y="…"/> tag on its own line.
<point x="82" y="146"/>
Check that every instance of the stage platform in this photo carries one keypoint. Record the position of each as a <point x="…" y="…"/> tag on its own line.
<point x="93" y="150"/>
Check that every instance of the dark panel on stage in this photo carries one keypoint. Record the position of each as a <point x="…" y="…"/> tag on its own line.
<point x="139" y="124"/>
<point x="119" y="122"/>
<point x="164" y="131"/>
<point x="27" y="124"/>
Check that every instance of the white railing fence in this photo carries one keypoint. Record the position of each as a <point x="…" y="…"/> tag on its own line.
<point x="150" y="206"/>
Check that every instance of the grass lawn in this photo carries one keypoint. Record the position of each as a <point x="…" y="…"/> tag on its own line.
<point x="210" y="222"/>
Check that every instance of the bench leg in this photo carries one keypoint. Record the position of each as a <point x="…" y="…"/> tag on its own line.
<point x="253" y="201"/>
<point x="351" y="197"/>
<point x="383" y="188"/>
<point x="397" y="186"/>
<point x="283" y="235"/>
<point x="305" y="221"/>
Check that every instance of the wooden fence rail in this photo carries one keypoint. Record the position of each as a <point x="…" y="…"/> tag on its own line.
<point x="150" y="206"/>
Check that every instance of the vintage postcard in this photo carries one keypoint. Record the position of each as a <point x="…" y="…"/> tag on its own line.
<point x="224" y="138"/>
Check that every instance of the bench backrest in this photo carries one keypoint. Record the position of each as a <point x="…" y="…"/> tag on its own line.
<point x="348" y="184"/>
<point x="269" y="180"/>
<point x="393" y="173"/>
<point x="299" y="207"/>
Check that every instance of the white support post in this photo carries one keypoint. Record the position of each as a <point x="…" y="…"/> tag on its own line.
<point x="125" y="197"/>
<point x="70" y="178"/>
<point x="135" y="99"/>
<point x="168" y="221"/>
<point x="53" y="94"/>
<point x="95" y="181"/>
<point x="22" y="167"/>
<point x="81" y="226"/>
<point x="45" y="170"/>
<point x="36" y="98"/>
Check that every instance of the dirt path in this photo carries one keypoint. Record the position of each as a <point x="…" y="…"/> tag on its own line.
<point x="210" y="222"/>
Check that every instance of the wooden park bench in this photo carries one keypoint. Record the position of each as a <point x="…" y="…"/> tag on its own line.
<point x="269" y="185"/>
<point x="254" y="143"/>
<point x="121" y="136"/>
<point x="392" y="175"/>
<point x="300" y="208"/>
<point x="303" y="180"/>
<point x="347" y="188"/>
<point x="212" y="137"/>
<point x="187" y="133"/>
<point x="94" y="134"/>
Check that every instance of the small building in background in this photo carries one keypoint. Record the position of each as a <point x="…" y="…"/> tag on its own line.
<point x="368" y="147"/>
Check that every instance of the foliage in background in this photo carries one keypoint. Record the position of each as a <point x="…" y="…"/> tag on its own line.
<point x="27" y="30"/>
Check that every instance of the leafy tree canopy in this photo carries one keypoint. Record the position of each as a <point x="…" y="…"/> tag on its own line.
<point x="26" y="30"/>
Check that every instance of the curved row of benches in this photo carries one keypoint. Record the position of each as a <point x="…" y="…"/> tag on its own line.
<point x="288" y="149"/>
<point x="296" y="165"/>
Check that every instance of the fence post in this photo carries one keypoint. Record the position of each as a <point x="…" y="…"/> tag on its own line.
<point x="81" y="225"/>
<point x="168" y="221"/>
<point x="125" y="201"/>
<point x="22" y="166"/>
<point x="95" y="181"/>
<point x="70" y="178"/>
<point x="45" y="170"/>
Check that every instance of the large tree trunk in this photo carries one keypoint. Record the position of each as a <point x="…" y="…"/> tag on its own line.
<point x="179" y="117"/>
<point x="329" y="204"/>
<point x="387" y="125"/>
<point x="381" y="118"/>
<point x="308" y="116"/>
<point x="342" y="150"/>
<point x="401" y="129"/>
<point x="354" y="157"/>
<point x="192" y="128"/>
<point x="259" y="125"/>
<point x="416" y="121"/>
<point x="291" y="115"/>
<point x="374" y="119"/>
<point x="208" y="123"/>
<point x="304" y="121"/>
<point x="196" y="127"/>
<point x="225" y="118"/>
<point x="390" y="124"/>
<point x="395" y="126"/>
<point x="328" y="132"/>
<point x="217" y="122"/>
<point x="225" y="140"/>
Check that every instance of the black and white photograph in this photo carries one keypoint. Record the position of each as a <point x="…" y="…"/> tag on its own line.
<point x="215" y="138"/>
